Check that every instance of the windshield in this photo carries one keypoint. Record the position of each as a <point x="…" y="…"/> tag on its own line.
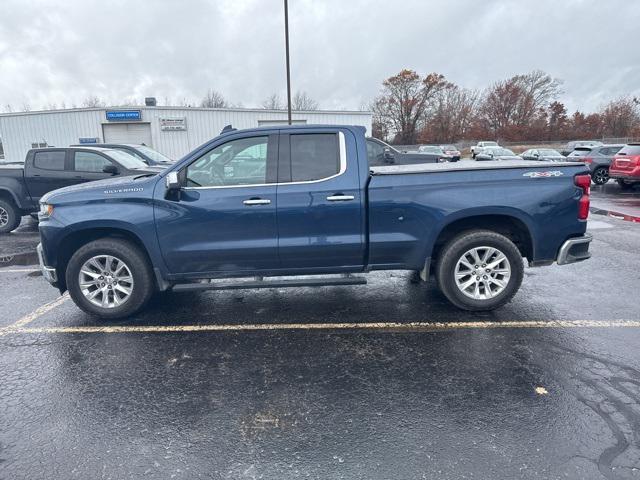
<point x="490" y="144"/>
<point x="580" y="152"/>
<point x="450" y="148"/>
<point x="126" y="159"/>
<point x="430" y="149"/>
<point x="152" y="154"/>
<point x="501" y="152"/>
<point x="549" y="152"/>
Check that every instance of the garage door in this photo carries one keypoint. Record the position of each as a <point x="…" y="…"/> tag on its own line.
<point x="127" y="133"/>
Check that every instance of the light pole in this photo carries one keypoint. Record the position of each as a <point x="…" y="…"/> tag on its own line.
<point x="286" y="39"/>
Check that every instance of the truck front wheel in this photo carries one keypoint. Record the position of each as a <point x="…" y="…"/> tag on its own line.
<point x="479" y="270"/>
<point x="109" y="278"/>
<point x="9" y="216"/>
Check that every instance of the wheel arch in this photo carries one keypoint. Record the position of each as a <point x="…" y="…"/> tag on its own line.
<point x="510" y="225"/>
<point x="78" y="238"/>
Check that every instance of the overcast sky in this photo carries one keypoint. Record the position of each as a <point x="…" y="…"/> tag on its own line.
<point x="63" y="51"/>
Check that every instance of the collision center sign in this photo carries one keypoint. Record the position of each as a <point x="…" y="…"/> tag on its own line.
<point x="124" y="115"/>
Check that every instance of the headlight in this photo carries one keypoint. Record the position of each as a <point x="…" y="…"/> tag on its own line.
<point x="46" y="210"/>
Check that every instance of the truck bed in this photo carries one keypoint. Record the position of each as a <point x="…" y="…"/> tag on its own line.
<point x="465" y="166"/>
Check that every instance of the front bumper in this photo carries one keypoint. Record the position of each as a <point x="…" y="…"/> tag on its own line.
<point x="575" y="250"/>
<point x="49" y="273"/>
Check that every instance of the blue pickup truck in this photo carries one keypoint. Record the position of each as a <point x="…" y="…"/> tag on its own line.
<point x="300" y="205"/>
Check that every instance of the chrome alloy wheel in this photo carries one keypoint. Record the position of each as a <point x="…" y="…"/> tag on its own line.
<point x="106" y="281"/>
<point x="601" y="176"/>
<point x="482" y="273"/>
<point x="4" y="217"/>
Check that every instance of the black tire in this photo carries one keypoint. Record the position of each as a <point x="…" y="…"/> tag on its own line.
<point x="452" y="252"/>
<point x="624" y="185"/>
<point x="143" y="281"/>
<point x="9" y="216"/>
<point x="600" y="175"/>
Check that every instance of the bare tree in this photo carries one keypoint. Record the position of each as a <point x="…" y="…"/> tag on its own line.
<point x="450" y="117"/>
<point x="273" y="102"/>
<point x="402" y="105"/>
<point x="302" y="101"/>
<point x="8" y="108"/>
<point x="213" y="99"/>
<point x="92" y="101"/>
<point x="620" y="117"/>
<point x="26" y="107"/>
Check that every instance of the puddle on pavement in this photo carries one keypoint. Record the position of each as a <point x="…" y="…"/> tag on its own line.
<point x="617" y="215"/>
<point x="28" y="258"/>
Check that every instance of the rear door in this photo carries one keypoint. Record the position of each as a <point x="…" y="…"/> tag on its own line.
<point x="224" y="220"/>
<point x="46" y="171"/>
<point x="320" y="201"/>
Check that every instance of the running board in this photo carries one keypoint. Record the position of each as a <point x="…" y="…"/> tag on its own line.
<point x="280" y="283"/>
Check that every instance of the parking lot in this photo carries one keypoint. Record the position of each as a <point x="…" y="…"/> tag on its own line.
<point x="386" y="380"/>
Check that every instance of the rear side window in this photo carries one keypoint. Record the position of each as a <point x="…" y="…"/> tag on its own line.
<point x="630" y="150"/>
<point x="89" y="162"/>
<point x="49" y="160"/>
<point x="314" y="156"/>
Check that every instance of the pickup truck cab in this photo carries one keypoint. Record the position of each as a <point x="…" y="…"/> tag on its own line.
<point x="476" y="149"/>
<point x="285" y="202"/>
<point x="46" y="169"/>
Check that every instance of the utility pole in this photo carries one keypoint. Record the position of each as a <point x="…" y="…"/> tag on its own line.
<point x="286" y="39"/>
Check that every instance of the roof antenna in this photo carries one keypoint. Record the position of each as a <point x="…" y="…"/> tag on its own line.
<point x="228" y="129"/>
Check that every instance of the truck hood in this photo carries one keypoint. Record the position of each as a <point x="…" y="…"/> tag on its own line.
<point x="100" y="188"/>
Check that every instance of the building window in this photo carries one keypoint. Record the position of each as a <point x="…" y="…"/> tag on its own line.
<point x="39" y="145"/>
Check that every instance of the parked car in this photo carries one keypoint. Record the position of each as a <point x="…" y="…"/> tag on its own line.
<point x="625" y="166"/>
<point x="380" y="153"/>
<point x="571" y="146"/>
<point x="476" y="149"/>
<point x="302" y="200"/>
<point x="46" y="169"/>
<point x="452" y="152"/>
<point x="598" y="159"/>
<point x="545" y="154"/>
<point x="434" y="151"/>
<point x="147" y="154"/>
<point x="496" y="153"/>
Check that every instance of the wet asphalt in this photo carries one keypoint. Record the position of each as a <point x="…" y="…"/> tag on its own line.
<point x="467" y="397"/>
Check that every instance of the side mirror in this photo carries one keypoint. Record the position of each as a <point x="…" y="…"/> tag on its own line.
<point x="388" y="155"/>
<point x="536" y="155"/>
<point x="491" y="155"/>
<point x="112" y="169"/>
<point x="172" y="181"/>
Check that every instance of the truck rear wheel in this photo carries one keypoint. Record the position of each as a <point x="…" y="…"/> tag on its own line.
<point x="479" y="270"/>
<point x="109" y="278"/>
<point x="9" y="216"/>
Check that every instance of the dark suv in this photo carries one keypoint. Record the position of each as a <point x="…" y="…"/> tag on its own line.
<point x="598" y="159"/>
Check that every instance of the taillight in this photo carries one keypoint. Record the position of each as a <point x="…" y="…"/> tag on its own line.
<point x="583" y="182"/>
<point x="587" y="160"/>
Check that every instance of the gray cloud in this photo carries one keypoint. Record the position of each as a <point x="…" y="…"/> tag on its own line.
<point x="54" y="52"/>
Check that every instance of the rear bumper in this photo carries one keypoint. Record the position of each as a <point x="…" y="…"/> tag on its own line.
<point x="574" y="250"/>
<point x="49" y="273"/>
<point x="631" y="176"/>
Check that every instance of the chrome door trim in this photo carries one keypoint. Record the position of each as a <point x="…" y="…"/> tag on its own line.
<point x="342" y="147"/>
<point x="257" y="201"/>
<point x="340" y="198"/>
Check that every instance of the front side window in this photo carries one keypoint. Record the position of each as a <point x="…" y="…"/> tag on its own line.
<point x="238" y="162"/>
<point x="49" y="160"/>
<point x="89" y="162"/>
<point x="314" y="156"/>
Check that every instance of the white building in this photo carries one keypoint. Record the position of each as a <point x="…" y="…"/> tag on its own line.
<point x="173" y="131"/>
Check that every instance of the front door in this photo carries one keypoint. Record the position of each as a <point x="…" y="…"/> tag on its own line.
<point x="320" y="203"/>
<point x="224" y="220"/>
<point x="48" y="171"/>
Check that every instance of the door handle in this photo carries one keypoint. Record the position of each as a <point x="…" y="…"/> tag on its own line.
<point x="257" y="201"/>
<point x="340" y="198"/>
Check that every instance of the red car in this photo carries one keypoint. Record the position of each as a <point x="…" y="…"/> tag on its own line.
<point x="625" y="166"/>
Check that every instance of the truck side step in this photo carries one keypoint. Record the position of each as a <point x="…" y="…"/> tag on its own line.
<point x="275" y="283"/>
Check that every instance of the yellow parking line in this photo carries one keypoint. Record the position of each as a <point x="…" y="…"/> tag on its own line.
<point x="30" y="317"/>
<point x="390" y="326"/>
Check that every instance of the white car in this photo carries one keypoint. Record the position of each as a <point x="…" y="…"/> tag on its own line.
<point x="476" y="149"/>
